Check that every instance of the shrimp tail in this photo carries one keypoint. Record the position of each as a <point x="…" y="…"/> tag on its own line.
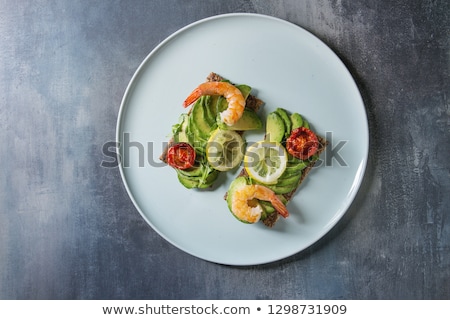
<point x="279" y="206"/>
<point x="197" y="93"/>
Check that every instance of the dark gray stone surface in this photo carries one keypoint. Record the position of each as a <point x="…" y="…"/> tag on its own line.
<point x="68" y="230"/>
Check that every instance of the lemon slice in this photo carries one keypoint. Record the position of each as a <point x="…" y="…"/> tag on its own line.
<point x="225" y="149"/>
<point x="265" y="161"/>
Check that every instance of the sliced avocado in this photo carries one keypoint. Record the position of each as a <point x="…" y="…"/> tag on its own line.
<point x="201" y="117"/>
<point x="199" y="122"/>
<point x="191" y="172"/>
<point x="212" y="176"/>
<point x="297" y="121"/>
<point x="181" y="137"/>
<point x="295" y="163"/>
<point x="211" y="110"/>
<point x="268" y="208"/>
<point x="197" y="131"/>
<point x="221" y="104"/>
<point x="196" y="137"/>
<point x="287" y="121"/>
<point x="196" y="181"/>
<point x="188" y="182"/>
<point x="288" y="181"/>
<point x="237" y="183"/>
<point x="282" y="189"/>
<point x="275" y="128"/>
<point x="294" y="167"/>
<point x="305" y="124"/>
<point x="249" y="121"/>
<point x="293" y="171"/>
<point x="245" y="90"/>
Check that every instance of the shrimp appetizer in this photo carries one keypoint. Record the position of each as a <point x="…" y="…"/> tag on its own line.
<point x="234" y="97"/>
<point x="274" y="168"/>
<point x="208" y="140"/>
<point x="245" y="202"/>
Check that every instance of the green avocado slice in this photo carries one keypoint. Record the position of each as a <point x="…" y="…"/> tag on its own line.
<point x="249" y="121"/>
<point x="287" y="121"/>
<point x="297" y="121"/>
<point x="275" y="127"/>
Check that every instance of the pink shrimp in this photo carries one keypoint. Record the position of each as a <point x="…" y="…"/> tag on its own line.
<point x="235" y="99"/>
<point x="249" y="211"/>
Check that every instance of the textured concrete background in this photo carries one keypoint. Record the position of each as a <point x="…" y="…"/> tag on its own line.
<point x="68" y="229"/>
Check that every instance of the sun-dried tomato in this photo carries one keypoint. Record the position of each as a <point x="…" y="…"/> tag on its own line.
<point x="302" y="143"/>
<point x="181" y="156"/>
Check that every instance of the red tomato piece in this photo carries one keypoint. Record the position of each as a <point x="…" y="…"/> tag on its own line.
<point x="181" y="156"/>
<point x="302" y="143"/>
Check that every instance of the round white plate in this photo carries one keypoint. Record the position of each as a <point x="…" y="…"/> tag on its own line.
<point x="287" y="67"/>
